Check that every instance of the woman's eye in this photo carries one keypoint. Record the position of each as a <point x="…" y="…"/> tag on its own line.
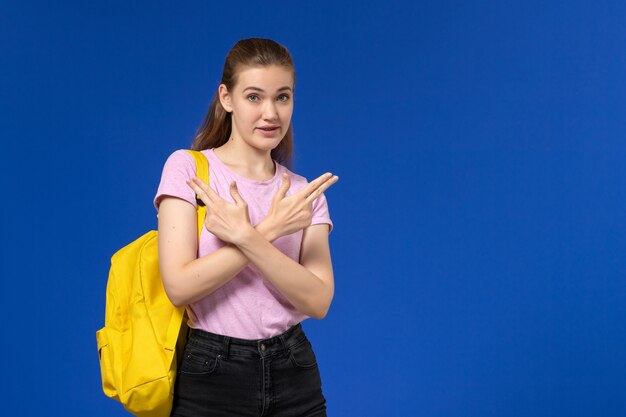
<point x="254" y="97"/>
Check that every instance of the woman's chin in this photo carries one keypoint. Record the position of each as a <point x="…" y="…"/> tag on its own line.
<point x="268" y="143"/>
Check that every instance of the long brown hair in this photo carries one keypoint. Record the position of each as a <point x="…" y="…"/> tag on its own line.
<point x="216" y="126"/>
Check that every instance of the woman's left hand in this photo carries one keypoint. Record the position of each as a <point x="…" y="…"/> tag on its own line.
<point x="229" y="222"/>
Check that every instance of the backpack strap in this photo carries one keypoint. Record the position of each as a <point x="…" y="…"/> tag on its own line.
<point x="202" y="172"/>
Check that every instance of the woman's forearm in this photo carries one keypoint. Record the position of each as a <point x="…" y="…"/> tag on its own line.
<point x="304" y="290"/>
<point x="203" y="275"/>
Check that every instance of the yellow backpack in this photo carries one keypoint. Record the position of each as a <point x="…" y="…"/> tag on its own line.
<point x="144" y="333"/>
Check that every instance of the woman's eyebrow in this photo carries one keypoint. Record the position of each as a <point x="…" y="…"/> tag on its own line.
<point x="285" y="88"/>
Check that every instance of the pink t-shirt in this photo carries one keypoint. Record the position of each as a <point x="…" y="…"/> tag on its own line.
<point x="248" y="306"/>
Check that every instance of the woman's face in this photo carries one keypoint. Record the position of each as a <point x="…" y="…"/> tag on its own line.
<point x="262" y="97"/>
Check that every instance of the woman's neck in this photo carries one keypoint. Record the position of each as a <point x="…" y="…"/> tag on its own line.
<point x="247" y="162"/>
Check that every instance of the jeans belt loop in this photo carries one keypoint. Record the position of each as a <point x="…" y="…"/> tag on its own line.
<point x="226" y="345"/>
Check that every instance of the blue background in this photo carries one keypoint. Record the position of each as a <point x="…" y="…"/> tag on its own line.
<point x="480" y="222"/>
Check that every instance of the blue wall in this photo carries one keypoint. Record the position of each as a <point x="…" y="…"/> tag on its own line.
<point x="480" y="215"/>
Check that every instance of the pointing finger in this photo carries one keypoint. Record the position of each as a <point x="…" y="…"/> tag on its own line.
<point x="316" y="193"/>
<point x="211" y="195"/>
<point x="313" y="185"/>
<point x="200" y="193"/>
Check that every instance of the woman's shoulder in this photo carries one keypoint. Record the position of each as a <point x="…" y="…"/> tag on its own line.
<point x="178" y="168"/>
<point x="296" y="179"/>
<point x="180" y="155"/>
<point x="179" y="158"/>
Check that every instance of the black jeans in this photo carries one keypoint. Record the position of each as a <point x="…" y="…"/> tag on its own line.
<point x="226" y="376"/>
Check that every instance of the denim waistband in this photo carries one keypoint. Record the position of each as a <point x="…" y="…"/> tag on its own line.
<point x="248" y="347"/>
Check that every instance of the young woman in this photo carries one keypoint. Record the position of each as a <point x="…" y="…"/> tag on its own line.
<point x="262" y="264"/>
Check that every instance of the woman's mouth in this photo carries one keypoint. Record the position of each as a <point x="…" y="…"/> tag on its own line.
<point x="267" y="131"/>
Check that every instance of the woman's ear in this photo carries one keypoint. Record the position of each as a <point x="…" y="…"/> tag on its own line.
<point x="225" y="99"/>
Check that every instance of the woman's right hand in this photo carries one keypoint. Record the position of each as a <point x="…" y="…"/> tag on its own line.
<point x="289" y="214"/>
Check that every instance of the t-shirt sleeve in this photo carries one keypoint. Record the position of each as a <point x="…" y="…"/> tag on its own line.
<point x="320" y="212"/>
<point x="178" y="168"/>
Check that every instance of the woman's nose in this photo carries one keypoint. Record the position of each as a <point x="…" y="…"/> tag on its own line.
<point x="269" y="112"/>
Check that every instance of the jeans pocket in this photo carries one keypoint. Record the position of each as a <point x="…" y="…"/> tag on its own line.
<point x="302" y="355"/>
<point x="198" y="361"/>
